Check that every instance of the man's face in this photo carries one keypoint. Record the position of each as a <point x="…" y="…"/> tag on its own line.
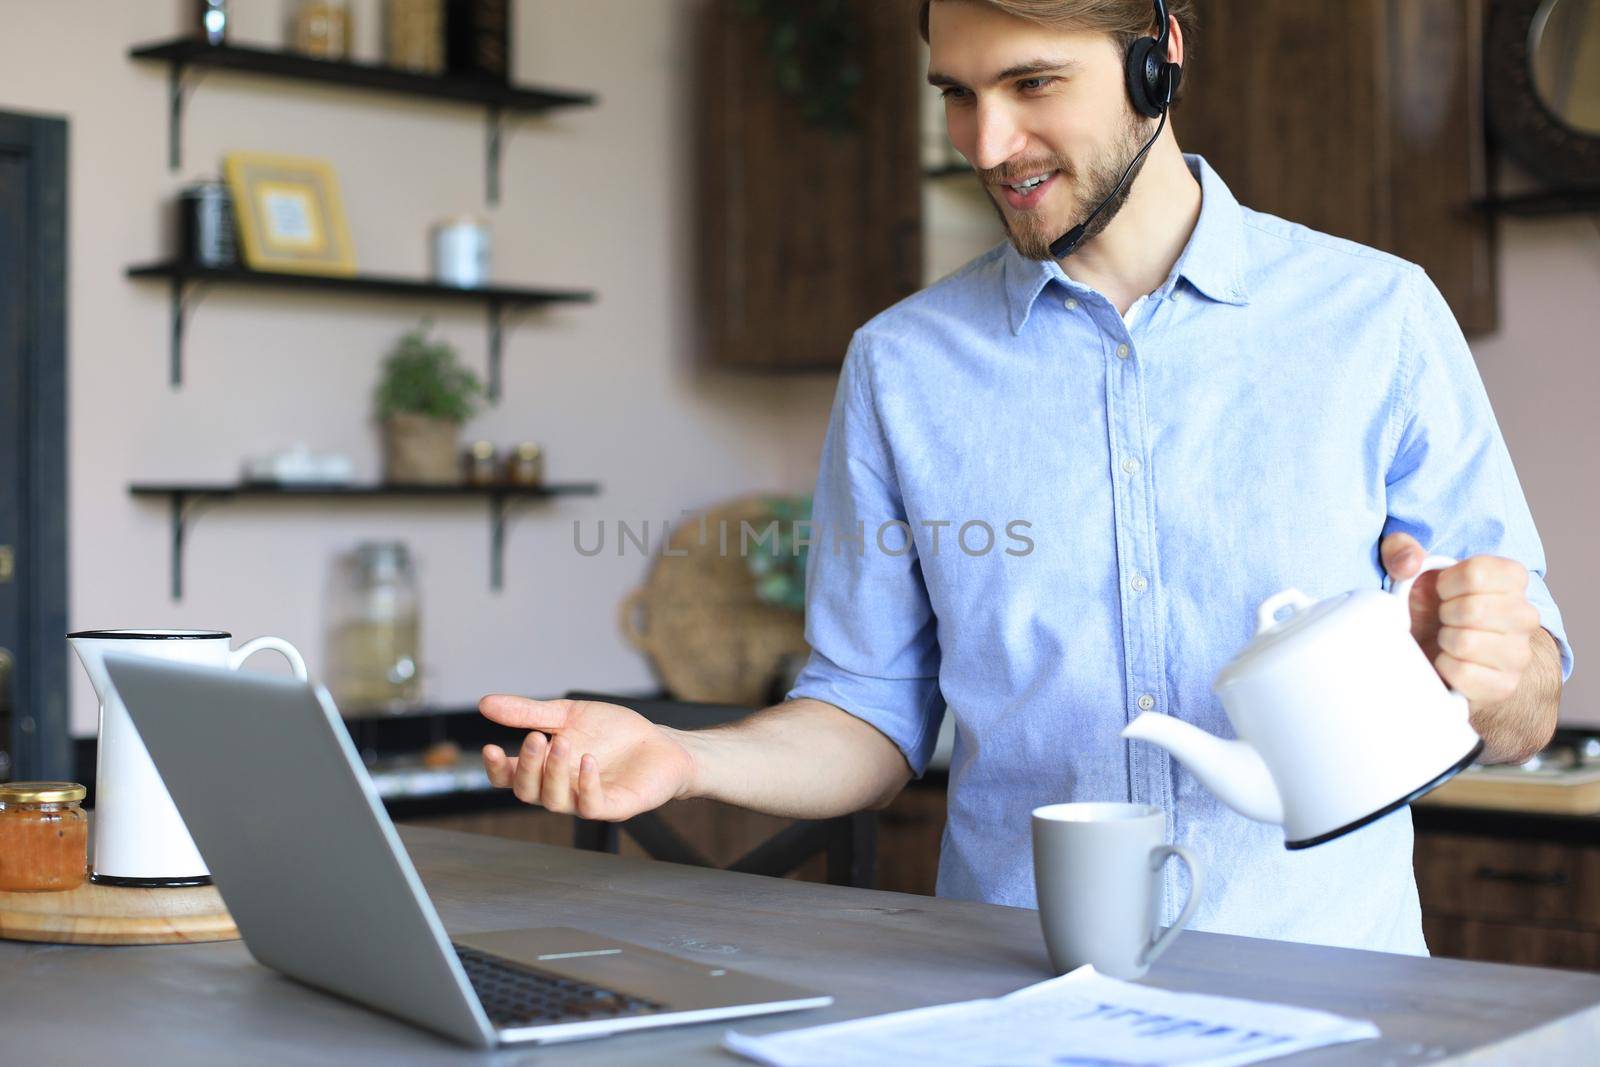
<point x="1023" y="102"/>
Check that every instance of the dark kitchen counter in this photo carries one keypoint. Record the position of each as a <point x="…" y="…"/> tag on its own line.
<point x="392" y="742"/>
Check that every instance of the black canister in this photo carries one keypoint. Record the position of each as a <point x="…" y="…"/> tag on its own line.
<point x="477" y="39"/>
<point x="205" y="225"/>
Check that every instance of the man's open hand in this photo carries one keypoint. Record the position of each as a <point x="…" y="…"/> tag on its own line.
<point x="1473" y="619"/>
<point x="602" y="761"/>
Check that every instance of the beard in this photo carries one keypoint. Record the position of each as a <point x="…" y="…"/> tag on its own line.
<point x="1031" y="233"/>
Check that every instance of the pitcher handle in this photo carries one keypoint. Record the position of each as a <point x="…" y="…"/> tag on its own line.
<point x="275" y="644"/>
<point x="1158" y="858"/>
<point x="1402" y="589"/>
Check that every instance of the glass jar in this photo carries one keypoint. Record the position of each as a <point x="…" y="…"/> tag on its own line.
<point x="414" y="35"/>
<point x="321" y="28"/>
<point x="373" y="636"/>
<point x="525" y="464"/>
<point x="44" y="836"/>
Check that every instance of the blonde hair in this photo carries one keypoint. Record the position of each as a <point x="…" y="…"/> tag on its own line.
<point x="1124" y="21"/>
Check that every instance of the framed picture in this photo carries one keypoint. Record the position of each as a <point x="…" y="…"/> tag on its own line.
<point x="289" y="214"/>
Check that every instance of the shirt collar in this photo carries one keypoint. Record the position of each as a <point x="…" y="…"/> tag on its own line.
<point x="1212" y="261"/>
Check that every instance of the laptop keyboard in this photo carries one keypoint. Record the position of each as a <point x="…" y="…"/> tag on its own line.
<point x="514" y="994"/>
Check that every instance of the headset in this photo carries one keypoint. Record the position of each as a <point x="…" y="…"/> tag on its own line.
<point x="1152" y="81"/>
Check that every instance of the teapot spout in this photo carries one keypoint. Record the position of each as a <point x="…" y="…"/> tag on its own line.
<point x="1233" y="770"/>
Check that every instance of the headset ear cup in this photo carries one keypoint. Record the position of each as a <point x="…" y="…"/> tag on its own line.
<point x="1144" y="78"/>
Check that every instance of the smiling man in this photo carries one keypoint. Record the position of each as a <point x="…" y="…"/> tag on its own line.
<point x="1187" y="405"/>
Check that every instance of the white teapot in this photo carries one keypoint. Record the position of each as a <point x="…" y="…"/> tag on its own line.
<point x="1340" y="717"/>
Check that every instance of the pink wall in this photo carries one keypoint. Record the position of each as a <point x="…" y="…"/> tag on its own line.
<point x="1542" y="371"/>
<point x="593" y="198"/>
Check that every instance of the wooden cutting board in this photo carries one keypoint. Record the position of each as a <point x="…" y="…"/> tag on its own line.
<point x="1570" y="793"/>
<point x="116" y="915"/>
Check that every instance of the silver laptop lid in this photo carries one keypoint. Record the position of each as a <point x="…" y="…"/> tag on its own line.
<point x="283" y="812"/>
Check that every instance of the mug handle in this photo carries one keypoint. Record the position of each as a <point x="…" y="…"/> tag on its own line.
<point x="1158" y="859"/>
<point x="275" y="644"/>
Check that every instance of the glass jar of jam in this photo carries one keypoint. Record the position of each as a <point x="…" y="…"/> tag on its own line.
<point x="44" y="836"/>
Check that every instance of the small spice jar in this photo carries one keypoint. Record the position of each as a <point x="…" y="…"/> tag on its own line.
<point x="525" y="464"/>
<point x="44" y="836"/>
<point x="480" y="463"/>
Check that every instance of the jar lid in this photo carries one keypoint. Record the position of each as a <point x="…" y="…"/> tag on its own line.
<point x="40" y="792"/>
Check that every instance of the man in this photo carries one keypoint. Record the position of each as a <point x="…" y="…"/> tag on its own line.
<point x="1198" y="406"/>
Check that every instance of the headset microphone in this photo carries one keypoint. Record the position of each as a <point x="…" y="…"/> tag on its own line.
<point x="1151" y="82"/>
<point x="1064" y="246"/>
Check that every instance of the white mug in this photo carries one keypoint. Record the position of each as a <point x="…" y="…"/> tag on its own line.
<point x="1097" y="871"/>
<point x="139" y="837"/>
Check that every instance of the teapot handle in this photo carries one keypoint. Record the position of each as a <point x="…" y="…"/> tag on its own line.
<point x="1267" y="613"/>
<point x="1402" y="589"/>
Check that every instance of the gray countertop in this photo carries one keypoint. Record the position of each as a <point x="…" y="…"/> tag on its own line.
<point x="875" y="952"/>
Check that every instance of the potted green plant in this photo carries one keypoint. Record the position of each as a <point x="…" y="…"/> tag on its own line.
<point x="423" y="397"/>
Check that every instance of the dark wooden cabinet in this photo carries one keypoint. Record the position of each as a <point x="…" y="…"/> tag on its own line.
<point x="1510" y="900"/>
<point x="909" y="832"/>
<point x="720" y="833"/>
<point x="907" y="840"/>
<point x="1504" y="890"/>
<point x="1360" y="118"/>
<point x="805" y="232"/>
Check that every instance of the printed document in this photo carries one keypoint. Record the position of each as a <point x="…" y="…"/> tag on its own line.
<point x="1076" y="1020"/>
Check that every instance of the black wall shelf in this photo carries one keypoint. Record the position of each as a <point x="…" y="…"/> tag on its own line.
<point x="500" y="301"/>
<point x="183" y="54"/>
<point x="186" y="499"/>
<point x="1544" y="202"/>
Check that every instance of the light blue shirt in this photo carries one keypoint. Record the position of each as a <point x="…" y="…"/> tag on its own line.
<point x="1283" y="401"/>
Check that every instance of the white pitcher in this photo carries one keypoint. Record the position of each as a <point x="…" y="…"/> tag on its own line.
<point x="139" y="837"/>
<point x="1340" y="719"/>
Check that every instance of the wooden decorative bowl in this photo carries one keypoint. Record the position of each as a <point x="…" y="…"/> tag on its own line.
<point x="698" y="620"/>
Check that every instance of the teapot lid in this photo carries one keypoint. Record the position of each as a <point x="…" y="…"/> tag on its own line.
<point x="1273" y="634"/>
<point x="1311" y="619"/>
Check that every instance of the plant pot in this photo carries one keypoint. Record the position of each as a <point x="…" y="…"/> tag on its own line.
<point x="418" y="450"/>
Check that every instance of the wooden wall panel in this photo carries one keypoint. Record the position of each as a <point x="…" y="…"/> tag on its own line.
<point x="805" y="233"/>
<point x="1360" y="118"/>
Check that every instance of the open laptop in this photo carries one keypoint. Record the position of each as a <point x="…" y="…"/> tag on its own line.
<point x="311" y="868"/>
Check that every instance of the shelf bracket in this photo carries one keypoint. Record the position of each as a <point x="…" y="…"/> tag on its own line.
<point x="182" y="304"/>
<point x="500" y="511"/>
<point x="501" y="318"/>
<point x="497" y="542"/>
<point x="177" y="92"/>
<point x="497" y="340"/>
<point x="497" y="123"/>
<point x="185" y="509"/>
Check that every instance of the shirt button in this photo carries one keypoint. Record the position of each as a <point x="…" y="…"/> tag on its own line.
<point x="1130" y="466"/>
<point x="1122" y="351"/>
<point x="1147" y="702"/>
<point x="1138" y="583"/>
<point x="1072" y="303"/>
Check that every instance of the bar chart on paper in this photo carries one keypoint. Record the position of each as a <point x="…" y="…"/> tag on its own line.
<point x="1080" y="1018"/>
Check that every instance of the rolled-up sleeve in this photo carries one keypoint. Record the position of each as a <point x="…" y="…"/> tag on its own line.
<point x="874" y="647"/>
<point x="1451" y="484"/>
